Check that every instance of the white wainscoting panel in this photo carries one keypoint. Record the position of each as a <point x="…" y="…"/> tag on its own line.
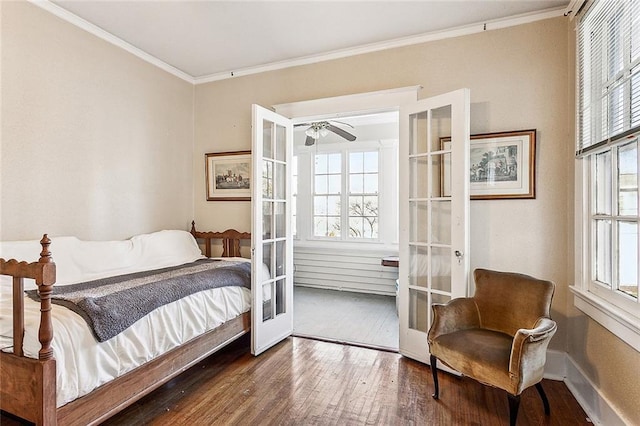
<point x="347" y="270"/>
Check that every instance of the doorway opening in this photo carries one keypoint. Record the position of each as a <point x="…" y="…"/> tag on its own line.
<point x="345" y="221"/>
<point x="432" y="224"/>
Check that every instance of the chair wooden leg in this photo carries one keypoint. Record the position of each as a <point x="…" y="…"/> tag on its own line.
<point x="514" y="404"/>
<point x="434" y="372"/>
<point x="543" y="396"/>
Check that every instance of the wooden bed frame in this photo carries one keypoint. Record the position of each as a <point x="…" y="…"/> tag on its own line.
<point x="28" y="386"/>
<point x="230" y="240"/>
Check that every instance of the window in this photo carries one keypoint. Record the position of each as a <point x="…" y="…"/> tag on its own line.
<point x="357" y="207"/>
<point x="347" y="193"/>
<point x="363" y="194"/>
<point x="614" y="222"/>
<point x="607" y="152"/>
<point x="327" y="217"/>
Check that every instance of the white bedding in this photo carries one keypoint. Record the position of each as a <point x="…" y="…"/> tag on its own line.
<point x="83" y="364"/>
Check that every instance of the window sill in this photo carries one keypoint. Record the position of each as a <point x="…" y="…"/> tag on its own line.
<point x="620" y="323"/>
<point x="367" y="246"/>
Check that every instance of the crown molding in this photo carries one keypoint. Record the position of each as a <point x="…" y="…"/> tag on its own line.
<point x="306" y="60"/>
<point x="107" y="36"/>
<point x="390" y="44"/>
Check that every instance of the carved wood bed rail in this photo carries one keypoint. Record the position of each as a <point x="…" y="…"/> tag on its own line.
<point x="28" y="385"/>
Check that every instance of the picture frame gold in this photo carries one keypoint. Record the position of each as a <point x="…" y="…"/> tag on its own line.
<point x="228" y="176"/>
<point x="502" y="165"/>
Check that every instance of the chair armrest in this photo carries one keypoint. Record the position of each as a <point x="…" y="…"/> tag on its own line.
<point x="529" y="352"/>
<point x="457" y="314"/>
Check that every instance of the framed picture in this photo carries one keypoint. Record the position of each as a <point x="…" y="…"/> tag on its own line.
<point x="502" y="165"/>
<point x="228" y="176"/>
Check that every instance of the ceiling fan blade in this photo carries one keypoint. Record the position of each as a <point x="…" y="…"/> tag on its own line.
<point x="340" y="132"/>
<point x="343" y="123"/>
<point x="302" y="124"/>
<point x="309" y="141"/>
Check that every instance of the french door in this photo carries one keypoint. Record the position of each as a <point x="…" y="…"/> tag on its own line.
<point x="271" y="236"/>
<point x="434" y="212"/>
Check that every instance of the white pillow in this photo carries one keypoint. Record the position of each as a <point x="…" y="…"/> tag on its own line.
<point x="78" y="261"/>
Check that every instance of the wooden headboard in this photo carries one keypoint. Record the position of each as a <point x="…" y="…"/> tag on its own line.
<point x="230" y="240"/>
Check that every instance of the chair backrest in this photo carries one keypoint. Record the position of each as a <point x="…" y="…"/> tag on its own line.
<point x="509" y="301"/>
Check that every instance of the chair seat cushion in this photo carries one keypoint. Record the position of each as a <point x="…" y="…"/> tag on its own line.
<point x="480" y="354"/>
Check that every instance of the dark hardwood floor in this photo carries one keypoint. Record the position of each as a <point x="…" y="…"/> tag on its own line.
<point x="309" y="382"/>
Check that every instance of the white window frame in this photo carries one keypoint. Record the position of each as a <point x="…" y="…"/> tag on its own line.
<point x="603" y="309"/>
<point x="348" y="173"/>
<point x="614" y="311"/>
<point x="311" y="168"/>
<point x="348" y="106"/>
<point x="387" y="191"/>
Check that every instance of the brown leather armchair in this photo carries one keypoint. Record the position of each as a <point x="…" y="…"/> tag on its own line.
<point x="499" y="336"/>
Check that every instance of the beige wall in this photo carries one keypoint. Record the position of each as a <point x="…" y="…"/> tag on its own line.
<point x="518" y="80"/>
<point x="96" y="143"/>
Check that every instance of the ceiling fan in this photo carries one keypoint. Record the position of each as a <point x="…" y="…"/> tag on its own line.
<point x="319" y="129"/>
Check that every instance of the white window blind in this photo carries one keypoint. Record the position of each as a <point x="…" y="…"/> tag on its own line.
<point x="609" y="73"/>
<point x="607" y="189"/>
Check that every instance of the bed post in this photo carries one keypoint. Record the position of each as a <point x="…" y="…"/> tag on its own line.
<point x="46" y="408"/>
<point x="28" y="386"/>
<point x="207" y="240"/>
<point x="45" y="280"/>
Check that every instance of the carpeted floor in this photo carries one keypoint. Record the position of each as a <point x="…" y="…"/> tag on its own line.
<point x="358" y="318"/>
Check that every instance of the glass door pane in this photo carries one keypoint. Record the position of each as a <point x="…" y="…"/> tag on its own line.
<point x="436" y="137"/>
<point x="430" y="212"/>
<point x="272" y="279"/>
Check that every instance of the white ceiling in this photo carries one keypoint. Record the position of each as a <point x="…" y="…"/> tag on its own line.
<point x="215" y="38"/>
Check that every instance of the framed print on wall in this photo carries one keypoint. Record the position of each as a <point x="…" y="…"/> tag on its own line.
<point x="502" y="165"/>
<point x="228" y="176"/>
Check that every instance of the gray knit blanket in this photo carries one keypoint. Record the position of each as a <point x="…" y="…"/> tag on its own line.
<point x="112" y="304"/>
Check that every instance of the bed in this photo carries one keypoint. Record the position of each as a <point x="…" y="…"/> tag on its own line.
<point x="34" y="370"/>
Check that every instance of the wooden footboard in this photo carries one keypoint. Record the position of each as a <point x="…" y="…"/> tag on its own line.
<point x="28" y="386"/>
<point x="118" y="394"/>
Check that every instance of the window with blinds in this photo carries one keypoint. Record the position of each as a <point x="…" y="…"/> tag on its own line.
<point x="608" y="146"/>
<point x="609" y="73"/>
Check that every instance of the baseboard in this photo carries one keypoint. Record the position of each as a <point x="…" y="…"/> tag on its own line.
<point x="556" y="366"/>
<point x="560" y="366"/>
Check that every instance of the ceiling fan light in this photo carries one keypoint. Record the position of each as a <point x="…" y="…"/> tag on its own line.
<point x="312" y="132"/>
<point x="324" y="132"/>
